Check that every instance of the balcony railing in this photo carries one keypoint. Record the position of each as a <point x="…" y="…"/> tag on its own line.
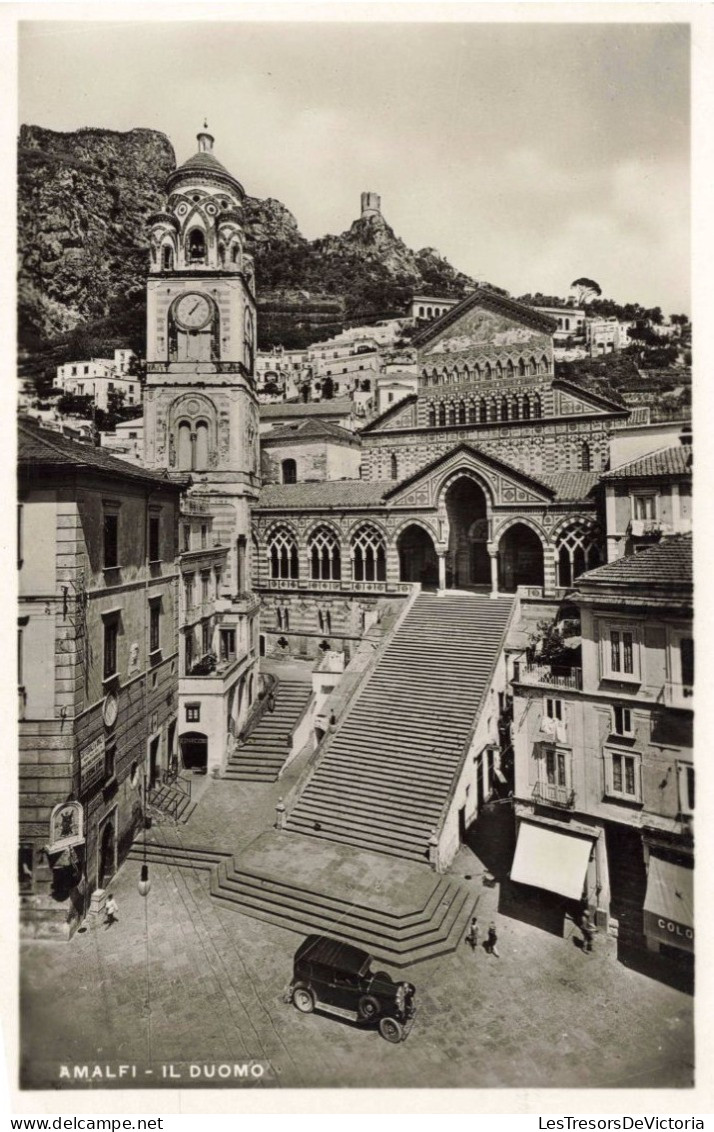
<point x="552" y="675"/>
<point x="551" y="795"/>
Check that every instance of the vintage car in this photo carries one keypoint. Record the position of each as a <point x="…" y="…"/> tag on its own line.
<point x="337" y="978"/>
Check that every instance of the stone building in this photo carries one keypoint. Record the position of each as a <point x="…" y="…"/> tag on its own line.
<point x="485" y="478"/>
<point x="647" y="498"/>
<point x="604" y="774"/>
<point x="97" y="665"/>
<point x="201" y="412"/>
<point x="310" y="450"/>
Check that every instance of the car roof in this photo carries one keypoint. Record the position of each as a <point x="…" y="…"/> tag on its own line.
<point x="321" y="949"/>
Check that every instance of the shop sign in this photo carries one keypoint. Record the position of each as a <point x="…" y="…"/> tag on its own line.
<point x="66" y="826"/>
<point x="668" y="931"/>
<point x="91" y="764"/>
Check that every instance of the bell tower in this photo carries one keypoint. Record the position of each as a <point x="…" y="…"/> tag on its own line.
<point x="200" y="407"/>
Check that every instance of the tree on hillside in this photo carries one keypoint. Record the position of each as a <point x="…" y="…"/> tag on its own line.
<point x="586" y="289"/>
<point x="328" y="389"/>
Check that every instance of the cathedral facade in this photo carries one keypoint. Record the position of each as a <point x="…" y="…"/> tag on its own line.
<point x="485" y="478"/>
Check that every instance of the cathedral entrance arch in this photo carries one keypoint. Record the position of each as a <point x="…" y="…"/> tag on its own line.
<point x="467" y="562"/>
<point x="417" y="557"/>
<point x="520" y="558"/>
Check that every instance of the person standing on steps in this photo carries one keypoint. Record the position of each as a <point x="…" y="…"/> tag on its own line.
<point x="492" y="940"/>
<point x="472" y="934"/>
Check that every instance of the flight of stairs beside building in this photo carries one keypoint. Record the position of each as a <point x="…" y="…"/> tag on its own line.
<point x="392" y="765"/>
<point x="261" y="757"/>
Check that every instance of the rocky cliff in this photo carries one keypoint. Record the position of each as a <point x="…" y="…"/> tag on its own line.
<point x="83" y="198"/>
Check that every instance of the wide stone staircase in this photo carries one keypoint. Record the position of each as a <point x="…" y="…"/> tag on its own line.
<point x="391" y="768"/>
<point x="260" y="758"/>
<point x="419" y="917"/>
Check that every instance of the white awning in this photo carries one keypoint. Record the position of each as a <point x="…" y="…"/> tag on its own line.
<point x="669" y="903"/>
<point x="549" y="859"/>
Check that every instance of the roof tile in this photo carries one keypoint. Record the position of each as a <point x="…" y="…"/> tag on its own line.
<point x="675" y="461"/>
<point x="668" y="563"/>
<point x="326" y="493"/>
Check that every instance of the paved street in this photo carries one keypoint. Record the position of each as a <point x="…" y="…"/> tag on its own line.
<point x="181" y="979"/>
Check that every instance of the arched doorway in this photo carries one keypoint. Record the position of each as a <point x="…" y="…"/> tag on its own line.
<point x="468" y="563"/>
<point x="194" y="751"/>
<point x="417" y="557"/>
<point x="520" y="558"/>
<point x="107" y="854"/>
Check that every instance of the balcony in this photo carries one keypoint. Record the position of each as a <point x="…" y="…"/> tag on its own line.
<point x="546" y="793"/>
<point x="548" y="675"/>
<point x="649" y="528"/>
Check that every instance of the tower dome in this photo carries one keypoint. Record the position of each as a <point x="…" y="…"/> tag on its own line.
<point x="204" y="167"/>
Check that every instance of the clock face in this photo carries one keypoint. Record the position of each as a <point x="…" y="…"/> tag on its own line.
<point x="193" y="311"/>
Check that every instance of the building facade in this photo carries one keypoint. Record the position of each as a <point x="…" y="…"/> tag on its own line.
<point x="97" y="665"/>
<point x="604" y="773"/>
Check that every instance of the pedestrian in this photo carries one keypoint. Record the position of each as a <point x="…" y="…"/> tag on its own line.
<point x="588" y="929"/>
<point x="111" y="911"/>
<point x="271" y="700"/>
<point x="492" y="940"/>
<point x="472" y="934"/>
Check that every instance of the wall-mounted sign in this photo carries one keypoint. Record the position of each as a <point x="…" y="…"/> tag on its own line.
<point x="66" y="826"/>
<point x="92" y="764"/>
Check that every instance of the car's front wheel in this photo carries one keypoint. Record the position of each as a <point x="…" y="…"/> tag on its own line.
<point x="368" y="1007"/>
<point x="304" y="1000"/>
<point x="390" y="1029"/>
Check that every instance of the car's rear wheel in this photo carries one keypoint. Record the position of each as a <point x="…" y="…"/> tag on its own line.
<point x="368" y="1007"/>
<point x="304" y="1000"/>
<point x="390" y="1029"/>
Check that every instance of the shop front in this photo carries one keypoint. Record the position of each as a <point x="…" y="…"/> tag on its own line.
<point x="668" y="917"/>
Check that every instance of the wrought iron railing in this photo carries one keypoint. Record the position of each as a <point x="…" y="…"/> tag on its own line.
<point x="561" y="796"/>
<point x="555" y="676"/>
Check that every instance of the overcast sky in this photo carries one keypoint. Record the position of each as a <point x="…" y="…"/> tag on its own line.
<point x="527" y="154"/>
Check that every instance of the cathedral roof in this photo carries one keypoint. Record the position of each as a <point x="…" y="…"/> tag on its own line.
<point x="675" y="461"/>
<point x="569" y="487"/>
<point x="326" y="493"/>
<point x="492" y="300"/>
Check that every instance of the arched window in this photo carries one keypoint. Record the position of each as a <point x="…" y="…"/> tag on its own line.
<point x="324" y="550"/>
<point x="369" y="556"/>
<point x="487" y="371"/>
<point x="167" y="258"/>
<point x="477" y="372"/>
<point x="222" y="255"/>
<point x="504" y="408"/>
<point x="515" y="409"/>
<point x="432" y="415"/>
<point x="483" y="410"/>
<point x="544" y="365"/>
<point x="537" y="411"/>
<point x="509" y="368"/>
<point x="472" y="412"/>
<point x="452" y="414"/>
<point x="494" y="409"/>
<point x="578" y="550"/>
<point x="200" y="462"/>
<point x="442" y="413"/>
<point x="435" y="377"/>
<point x="533" y="367"/>
<point x="467" y="373"/>
<point x="462" y="413"/>
<point x="235" y="253"/>
<point x="499" y="371"/>
<point x="283" y="554"/>
<point x="585" y="458"/>
<point x="521" y="368"/>
<point x="526" y="407"/>
<point x="289" y="470"/>
<point x="185" y="447"/>
<point x="196" y="246"/>
<point x="393" y="466"/>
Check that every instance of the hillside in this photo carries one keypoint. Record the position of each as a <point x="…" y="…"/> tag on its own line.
<point x="83" y="199"/>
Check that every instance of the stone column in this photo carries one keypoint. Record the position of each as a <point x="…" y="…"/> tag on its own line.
<point x="493" y="555"/>
<point x="441" y="554"/>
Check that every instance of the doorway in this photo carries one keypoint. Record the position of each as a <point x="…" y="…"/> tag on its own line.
<point x="154" y="769"/>
<point x="107" y="851"/>
<point x="417" y="557"/>
<point x="194" y="751"/>
<point x="468" y="560"/>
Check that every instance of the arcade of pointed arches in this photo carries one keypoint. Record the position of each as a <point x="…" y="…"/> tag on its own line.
<point x="485" y="370"/>
<point x="472" y="555"/>
<point x="481" y="410"/>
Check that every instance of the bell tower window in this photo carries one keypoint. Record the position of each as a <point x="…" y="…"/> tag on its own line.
<point x="167" y="258"/>
<point x="201" y="460"/>
<point x="196" y="246"/>
<point x="184" y="447"/>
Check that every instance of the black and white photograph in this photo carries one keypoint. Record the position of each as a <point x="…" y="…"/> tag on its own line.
<point x="355" y="649"/>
